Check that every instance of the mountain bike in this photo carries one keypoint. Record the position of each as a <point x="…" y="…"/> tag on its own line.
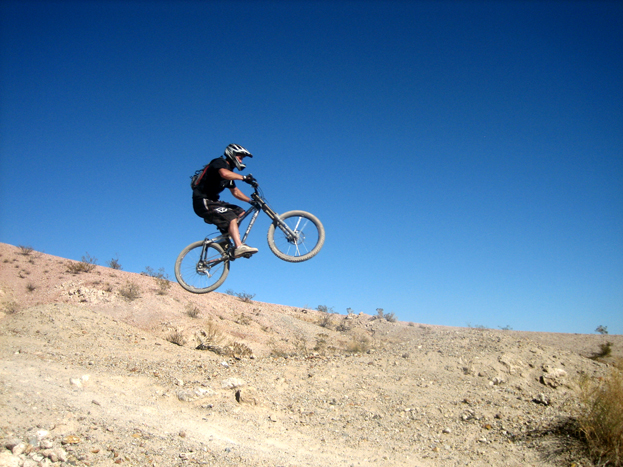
<point x="293" y="236"/>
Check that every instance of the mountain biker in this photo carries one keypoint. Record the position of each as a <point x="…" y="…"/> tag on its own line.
<point x="206" y="203"/>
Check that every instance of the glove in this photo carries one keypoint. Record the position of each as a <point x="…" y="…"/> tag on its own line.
<point x="250" y="180"/>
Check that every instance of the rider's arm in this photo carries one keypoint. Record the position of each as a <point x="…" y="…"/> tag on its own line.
<point x="239" y="195"/>
<point x="229" y="175"/>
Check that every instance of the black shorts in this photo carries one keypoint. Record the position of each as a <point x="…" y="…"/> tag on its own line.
<point x="218" y="213"/>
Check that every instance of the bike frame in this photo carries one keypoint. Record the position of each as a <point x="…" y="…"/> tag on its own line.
<point x="254" y="210"/>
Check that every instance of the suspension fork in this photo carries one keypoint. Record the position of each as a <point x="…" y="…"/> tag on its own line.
<point x="274" y="217"/>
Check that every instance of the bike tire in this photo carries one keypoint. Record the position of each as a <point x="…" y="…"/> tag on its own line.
<point x="308" y="245"/>
<point x="191" y="277"/>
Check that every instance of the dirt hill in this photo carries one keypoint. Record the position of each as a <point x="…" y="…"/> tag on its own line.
<point x="103" y="367"/>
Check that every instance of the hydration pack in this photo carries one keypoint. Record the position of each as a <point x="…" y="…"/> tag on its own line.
<point x="197" y="177"/>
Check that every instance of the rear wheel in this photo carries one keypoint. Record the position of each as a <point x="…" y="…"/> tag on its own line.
<point x="199" y="273"/>
<point x="306" y="241"/>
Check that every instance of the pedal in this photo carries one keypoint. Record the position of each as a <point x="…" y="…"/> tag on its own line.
<point x="247" y="255"/>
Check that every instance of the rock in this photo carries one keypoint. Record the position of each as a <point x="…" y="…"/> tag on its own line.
<point x="9" y="460"/>
<point x="553" y="377"/>
<point x="19" y="449"/>
<point x="247" y="396"/>
<point x="541" y="399"/>
<point x="233" y="383"/>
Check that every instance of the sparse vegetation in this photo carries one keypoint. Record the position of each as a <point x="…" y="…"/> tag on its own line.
<point x="321" y="343"/>
<point x="162" y="279"/>
<point x="359" y="343"/>
<point x="326" y="321"/>
<point x="130" y="291"/>
<point x="87" y="264"/>
<point x="601" y="417"/>
<point x="211" y="334"/>
<point x="380" y="314"/>
<point x="325" y="309"/>
<point x="192" y="310"/>
<point x="602" y="329"/>
<point x="31" y="287"/>
<point x="506" y="328"/>
<point x="114" y="264"/>
<point x="243" y="319"/>
<point x="25" y="250"/>
<point x="604" y="351"/>
<point x="10" y="308"/>
<point x="245" y="297"/>
<point x="176" y="337"/>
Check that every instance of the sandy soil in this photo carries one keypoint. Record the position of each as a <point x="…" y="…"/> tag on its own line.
<point x="89" y="377"/>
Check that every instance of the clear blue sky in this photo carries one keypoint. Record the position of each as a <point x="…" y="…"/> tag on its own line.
<point x="466" y="158"/>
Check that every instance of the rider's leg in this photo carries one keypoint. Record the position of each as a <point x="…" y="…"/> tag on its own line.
<point x="234" y="232"/>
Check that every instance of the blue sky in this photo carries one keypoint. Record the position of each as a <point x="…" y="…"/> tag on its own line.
<point x="466" y="158"/>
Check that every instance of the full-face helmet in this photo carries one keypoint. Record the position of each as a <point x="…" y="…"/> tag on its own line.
<point x="234" y="150"/>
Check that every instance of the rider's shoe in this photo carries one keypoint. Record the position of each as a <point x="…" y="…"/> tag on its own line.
<point x="243" y="250"/>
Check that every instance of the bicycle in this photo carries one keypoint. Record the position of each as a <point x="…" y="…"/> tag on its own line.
<point x="293" y="236"/>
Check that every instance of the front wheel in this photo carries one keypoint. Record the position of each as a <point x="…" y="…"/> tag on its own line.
<point x="201" y="271"/>
<point x="302" y="241"/>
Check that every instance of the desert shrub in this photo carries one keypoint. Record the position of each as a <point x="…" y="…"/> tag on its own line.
<point x="25" y="249"/>
<point x="162" y="279"/>
<point x="176" y="337"/>
<point x="192" y="310"/>
<point x="10" y="307"/>
<point x="602" y="329"/>
<point x="325" y="309"/>
<point x="359" y="343"/>
<point x="130" y="291"/>
<point x="601" y="417"/>
<point x="343" y="326"/>
<point x="86" y="265"/>
<point x="114" y="264"/>
<point x="604" y="351"/>
<point x="390" y="317"/>
<point x="211" y="334"/>
<point x="326" y="321"/>
<point x="240" y="350"/>
<point x="245" y="297"/>
<point x="243" y="319"/>
<point x="321" y="343"/>
<point x="31" y="287"/>
<point x="300" y="344"/>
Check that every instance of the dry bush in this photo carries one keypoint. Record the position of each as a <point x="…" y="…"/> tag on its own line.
<point x="114" y="264"/>
<point x="243" y="319"/>
<point x="176" y="337"/>
<point x="601" y="417"/>
<point x="25" y="249"/>
<point x="604" y="351"/>
<point x="31" y="287"/>
<point x="130" y="291"/>
<point x="211" y="335"/>
<point x="240" y="350"/>
<point x="86" y="265"/>
<point x="360" y="342"/>
<point x="192" y="310"/>
<point x="321" y="343"/>
<point x="326" y="321"/>
<point x="245" y="297"/>
<point x="10" y="307"/>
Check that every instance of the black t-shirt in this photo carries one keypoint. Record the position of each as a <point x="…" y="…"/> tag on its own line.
<point x="212" y="183"/>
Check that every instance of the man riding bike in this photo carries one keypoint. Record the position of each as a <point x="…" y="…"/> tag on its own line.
<point x="206" y="203"/>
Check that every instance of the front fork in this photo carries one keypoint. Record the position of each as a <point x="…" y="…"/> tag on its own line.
<point x="291" y="235"/>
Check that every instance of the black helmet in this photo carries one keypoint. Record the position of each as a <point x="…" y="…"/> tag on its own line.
<point x="235" y="149"/>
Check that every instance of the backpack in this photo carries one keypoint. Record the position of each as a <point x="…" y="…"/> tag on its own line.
<point x="197" y="177"/>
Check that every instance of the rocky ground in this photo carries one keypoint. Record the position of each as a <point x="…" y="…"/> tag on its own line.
<point x="108" y="367"/>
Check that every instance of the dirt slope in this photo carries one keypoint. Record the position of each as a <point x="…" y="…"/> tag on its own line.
<point x="89" y="377"/>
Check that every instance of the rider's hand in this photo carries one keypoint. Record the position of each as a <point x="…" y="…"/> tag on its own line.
<point x="250" y="180"/>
